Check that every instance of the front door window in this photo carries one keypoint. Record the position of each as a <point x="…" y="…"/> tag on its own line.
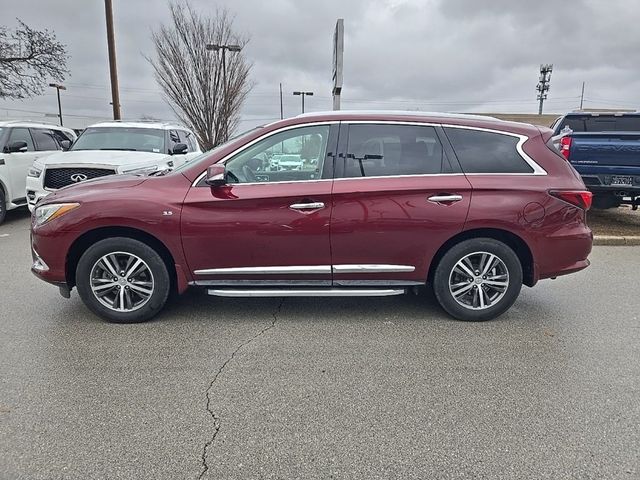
<point x="292" y="155"/>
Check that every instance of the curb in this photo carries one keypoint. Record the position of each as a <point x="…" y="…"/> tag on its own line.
<point x="615" y="240"/>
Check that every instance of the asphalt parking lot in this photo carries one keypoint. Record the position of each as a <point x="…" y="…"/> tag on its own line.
<point x="322" y="388"/>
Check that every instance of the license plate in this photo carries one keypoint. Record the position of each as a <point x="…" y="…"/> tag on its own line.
<point x="618" y="180"/>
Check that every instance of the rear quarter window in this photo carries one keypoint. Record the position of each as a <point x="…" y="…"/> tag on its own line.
<point x="486" y="152"/>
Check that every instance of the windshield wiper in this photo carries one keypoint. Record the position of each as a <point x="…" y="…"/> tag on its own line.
<point x="161" y="173"/>
<point x="120" y="149"/>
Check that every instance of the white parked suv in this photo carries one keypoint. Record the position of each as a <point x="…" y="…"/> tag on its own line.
<point x="21" y="143"/>
<point x="110" y="148"/>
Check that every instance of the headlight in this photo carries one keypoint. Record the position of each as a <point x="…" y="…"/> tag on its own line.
<point x="46" y="213"/>
<point x="35" y="171"/>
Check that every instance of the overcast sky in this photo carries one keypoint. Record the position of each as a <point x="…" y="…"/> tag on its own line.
<point x="434" y="55"/>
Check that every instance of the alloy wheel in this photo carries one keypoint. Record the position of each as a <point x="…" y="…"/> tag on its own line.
<point x="121" y="281"/>
<point x="479" y="280"/>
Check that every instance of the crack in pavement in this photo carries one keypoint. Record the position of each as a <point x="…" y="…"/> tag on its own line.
<point x="214" y="416"/>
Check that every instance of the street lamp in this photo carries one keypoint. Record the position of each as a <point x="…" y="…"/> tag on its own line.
<point x="223" y="48"/>
<point x="58" y="87"/>
<point x="303" y="94"/>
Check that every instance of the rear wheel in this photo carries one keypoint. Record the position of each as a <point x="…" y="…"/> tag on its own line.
<point x="122" y="280"/>
<point x="478" y="279"/>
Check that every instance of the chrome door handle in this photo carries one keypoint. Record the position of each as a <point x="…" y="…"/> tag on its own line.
<point x="445" y="198"/>
<point x="307" y="206"/>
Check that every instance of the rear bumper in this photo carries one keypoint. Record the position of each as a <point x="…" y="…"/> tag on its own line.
<point x="565" y="252"/>
<point x="602" y="183"/>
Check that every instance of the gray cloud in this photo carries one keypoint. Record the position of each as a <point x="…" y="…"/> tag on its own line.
<point x="450" y="55"/>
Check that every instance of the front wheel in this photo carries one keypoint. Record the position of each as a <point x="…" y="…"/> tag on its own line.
<point x="478" y="279"/>
<point x="123" y="280"/>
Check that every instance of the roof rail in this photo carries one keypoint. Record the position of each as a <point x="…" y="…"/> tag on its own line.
<point x="412" y="113"/>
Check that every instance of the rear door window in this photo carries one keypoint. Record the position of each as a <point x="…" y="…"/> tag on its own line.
<point x="45" y="140"/>
<point x="487" y="152"/>
<point x="388" y="150"/>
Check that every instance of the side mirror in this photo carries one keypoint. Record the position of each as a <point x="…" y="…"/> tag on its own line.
<point x="18" y="147"/>
<point x="216" y="175"/>
<point x="179" y="149"/>
<point x="65" y="144"/>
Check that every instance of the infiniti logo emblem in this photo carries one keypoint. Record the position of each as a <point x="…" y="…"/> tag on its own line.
<point x="78" y="177"/>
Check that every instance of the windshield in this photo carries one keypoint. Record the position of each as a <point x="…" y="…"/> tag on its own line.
<point x="191" y="162"/>
<point x="121" y="138"/>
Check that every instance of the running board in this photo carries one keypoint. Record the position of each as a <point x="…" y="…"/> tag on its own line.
<point x="305" y="292"/>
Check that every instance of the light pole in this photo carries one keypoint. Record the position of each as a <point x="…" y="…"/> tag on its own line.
<point x="224" y="48"/>
<point x="113" y="69"/>
<point x="303" y="94"/>
<point x="58" y="87"/>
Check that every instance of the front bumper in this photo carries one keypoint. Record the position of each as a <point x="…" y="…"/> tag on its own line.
<point x="35" y="192"/>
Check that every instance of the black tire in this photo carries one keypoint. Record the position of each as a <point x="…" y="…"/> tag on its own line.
<point x="3" y="206"/>
<point x="153" y="263"/>
<point x="474" y="249"/>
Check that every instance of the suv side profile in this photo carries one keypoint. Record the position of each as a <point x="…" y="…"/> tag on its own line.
<point x="110" y="148"/>
<point x="379" y="203"/>
<point x="21" y="143"/>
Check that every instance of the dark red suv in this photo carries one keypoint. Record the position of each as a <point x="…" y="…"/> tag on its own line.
<point x="331" y="204"/>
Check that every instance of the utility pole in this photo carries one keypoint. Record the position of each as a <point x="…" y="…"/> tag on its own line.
<point x="59" y="87"/>
<point x="303" y="94"/>
<point x="281" y="109"/>
<point x="113" y="69"/>
<point x="225" y="103"/>
<point x="544" y="84"/>
<point x="582" y="96"/>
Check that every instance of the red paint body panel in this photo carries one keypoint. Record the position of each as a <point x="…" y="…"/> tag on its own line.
<point x="252" y="225"/>
<point x="118" y="202"/>
<point x="390" y="221"/>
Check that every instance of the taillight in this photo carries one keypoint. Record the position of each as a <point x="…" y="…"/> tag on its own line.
<point x="565" y="146"/>
<point x="577" y="198"/>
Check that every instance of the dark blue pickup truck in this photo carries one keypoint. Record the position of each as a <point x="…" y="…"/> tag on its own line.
<point x="605" y="150"/>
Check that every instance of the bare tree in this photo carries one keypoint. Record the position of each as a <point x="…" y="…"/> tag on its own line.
<point x="191" y="77"/>
<point x="29" y="59"/>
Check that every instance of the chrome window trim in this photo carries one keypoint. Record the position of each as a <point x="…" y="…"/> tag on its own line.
<point x="236" y="185"/>
<point x="278" y="270"/>
<point x="372" y="268"/>
<point x="262" y="137"/>
<point x="417" y="175"/>
<point x="537" y="169"/>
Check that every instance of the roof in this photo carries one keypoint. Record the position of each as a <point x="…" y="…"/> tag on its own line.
<point x="398" y="113"/>
<point x="139" y="124"/>
<point x="28" y="124"/>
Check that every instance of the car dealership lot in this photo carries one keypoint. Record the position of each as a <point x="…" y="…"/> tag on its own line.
<point x="322" y="388"/>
